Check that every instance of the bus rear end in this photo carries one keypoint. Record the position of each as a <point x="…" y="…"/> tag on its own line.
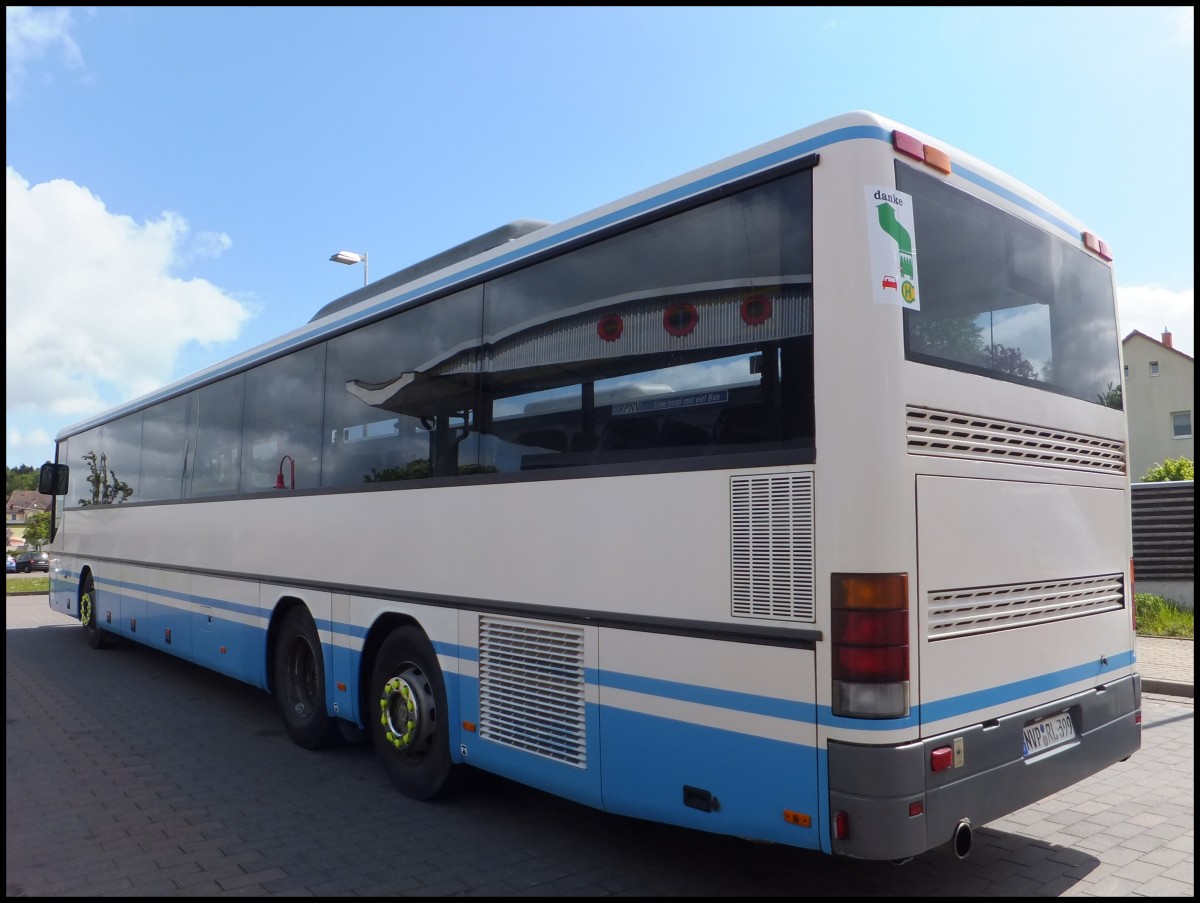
<point x="992" y="664"/>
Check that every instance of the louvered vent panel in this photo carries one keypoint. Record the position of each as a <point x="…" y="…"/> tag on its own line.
<point x="965" y="612"/>
<point x="947" y="434"/>
<point x="531" y="689"/>
<point x="772" y="546"/>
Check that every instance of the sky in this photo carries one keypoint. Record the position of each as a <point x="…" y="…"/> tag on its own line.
<point x="176" y="178"/>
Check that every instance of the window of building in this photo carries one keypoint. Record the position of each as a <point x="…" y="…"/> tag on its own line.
<point x="1181" y="424"/>
<point x="1154" y="368"/>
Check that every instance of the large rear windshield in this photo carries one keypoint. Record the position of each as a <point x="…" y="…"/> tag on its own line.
<point x="1004" y="299"/>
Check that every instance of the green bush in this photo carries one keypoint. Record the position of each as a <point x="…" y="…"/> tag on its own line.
<point x="1170" y="470"/>
<point x="1157" y="616"/>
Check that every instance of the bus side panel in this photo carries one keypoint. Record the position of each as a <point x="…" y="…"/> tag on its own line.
<point x="677" y="713"/>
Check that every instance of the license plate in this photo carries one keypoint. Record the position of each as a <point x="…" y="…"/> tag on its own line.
<point x="1048" y="733"/>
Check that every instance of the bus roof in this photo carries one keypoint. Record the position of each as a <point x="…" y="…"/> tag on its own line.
<point x="476" y="259"/>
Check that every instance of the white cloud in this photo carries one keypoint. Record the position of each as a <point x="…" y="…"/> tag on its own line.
<point x="93" y="315"/>
<point x="1185" y="25"/>
<point x="31" y="33"/>
<point x="1151" y="310"/>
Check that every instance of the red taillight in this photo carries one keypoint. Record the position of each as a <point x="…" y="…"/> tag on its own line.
<point x="841" y="825"/>
<point x="941" y="758"/>
<point x="866" y="664"/>
<point x="873" y="628"/>
<point x="870" y="652"/>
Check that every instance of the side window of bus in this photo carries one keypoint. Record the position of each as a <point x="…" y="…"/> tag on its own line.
<point x="105" y="462"/>
<point x="216" y="462"/>
<point x="165" y="431"/>
<point x="679" y="338"/>
<point x="283" y="422"/>
<point x="401" y="396"/>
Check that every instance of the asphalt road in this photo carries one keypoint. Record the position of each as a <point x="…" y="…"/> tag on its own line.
<point x="130" y="773"/>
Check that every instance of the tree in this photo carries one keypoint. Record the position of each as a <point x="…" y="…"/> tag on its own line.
<point x="1111" y="398"/>
<point x="1171" y="469"/>
<point x="37" y="529"/>
<point x="106" y="488"/>
<point x="22" y="477"/>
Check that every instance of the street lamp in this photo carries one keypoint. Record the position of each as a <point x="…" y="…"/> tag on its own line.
<point x="351" y="258"/>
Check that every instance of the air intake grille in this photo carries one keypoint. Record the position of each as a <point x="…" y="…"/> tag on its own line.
<point x="531" y="689"/>
<point x="964" y="612"/>
<point x="947" y="434"/>
<point x="771" y="525"/>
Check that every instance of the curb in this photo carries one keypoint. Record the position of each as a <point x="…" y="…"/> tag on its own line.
<point x="1168" y="688"/>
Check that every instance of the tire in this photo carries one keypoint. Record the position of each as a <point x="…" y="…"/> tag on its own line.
<point x="407" y="715"/>
<point x="89" y="615"/>
<point x="299" y="684"/>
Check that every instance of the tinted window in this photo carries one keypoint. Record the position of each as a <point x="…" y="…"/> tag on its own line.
<point x="1003" y="298"/>
<point x="216" y="462"/>
<point x="401" y="394"/>
<point x="685" y="337"/>
<point x="165" y="431"/>
<point x="283" y="422"/>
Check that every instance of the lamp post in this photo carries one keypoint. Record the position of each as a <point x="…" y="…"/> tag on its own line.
<point x="350" y="258"/>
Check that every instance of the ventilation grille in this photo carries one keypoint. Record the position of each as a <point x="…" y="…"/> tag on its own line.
<point x="952" y="435"/>
<point x="531" y="689"/>
<point x="964" y="612"/>
<point x="771" y="525"/>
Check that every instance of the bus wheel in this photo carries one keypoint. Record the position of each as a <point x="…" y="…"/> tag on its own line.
<point x="409" y="727"/>
<point x="88" y="616"/>
<point x="300" y="682"/>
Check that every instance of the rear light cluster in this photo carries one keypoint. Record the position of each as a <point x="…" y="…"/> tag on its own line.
<point x="870" y="645"/>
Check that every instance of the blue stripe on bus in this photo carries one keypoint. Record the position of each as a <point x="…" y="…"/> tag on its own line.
<point x="1020" y="689"/>
<point x="758" y="164"/>
<point x="224" y="605"/>
<point x="773" y="707"/>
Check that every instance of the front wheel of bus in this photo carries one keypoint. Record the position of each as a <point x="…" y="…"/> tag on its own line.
<point x="300" y="682"/>
<point x="409" y="727"/>
<point x="88" y="616"/>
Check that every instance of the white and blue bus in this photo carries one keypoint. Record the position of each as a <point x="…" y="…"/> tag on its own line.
<point x="785" y="500"/>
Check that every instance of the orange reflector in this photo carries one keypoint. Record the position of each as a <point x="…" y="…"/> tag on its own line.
<point x="797" y="818"/>
<point x="341" y="687"/>
<point x="907" y="144"/>
<point x="841" y="825"/>
<point x="938" y="159"/>
<point x="941" y="758"/>
<point x="870" y="591"/>
<point x="223" y="650"/>
<point x="469" y="726"/>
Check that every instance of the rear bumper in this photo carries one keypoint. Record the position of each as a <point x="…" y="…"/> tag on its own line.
<point x="876" y="786"/>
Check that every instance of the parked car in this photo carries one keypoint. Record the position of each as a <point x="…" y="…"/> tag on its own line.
<point x="10" y="565"/>
<point x="28" y="562"/>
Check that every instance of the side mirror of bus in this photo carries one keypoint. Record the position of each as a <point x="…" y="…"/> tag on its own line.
<point x="53" y="478"/>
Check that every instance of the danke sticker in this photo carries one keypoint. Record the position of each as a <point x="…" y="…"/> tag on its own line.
<point x="893" y="247"/>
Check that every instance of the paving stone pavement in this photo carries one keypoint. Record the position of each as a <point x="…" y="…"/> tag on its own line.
<point x="131" y="773"/>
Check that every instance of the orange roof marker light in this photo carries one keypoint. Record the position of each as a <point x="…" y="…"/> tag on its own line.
<point x="928" y="154"/>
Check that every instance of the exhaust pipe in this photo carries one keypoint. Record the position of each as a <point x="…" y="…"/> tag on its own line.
<point x="962" y="838"/>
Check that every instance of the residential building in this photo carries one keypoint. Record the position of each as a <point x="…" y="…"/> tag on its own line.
<point x="21" y="504"/>
<point x="1159" y="398"/>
